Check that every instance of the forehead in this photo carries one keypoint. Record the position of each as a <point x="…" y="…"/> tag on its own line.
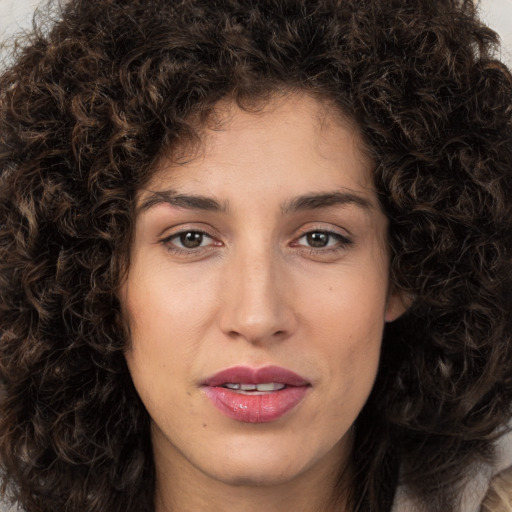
<point x="296" y="133"/>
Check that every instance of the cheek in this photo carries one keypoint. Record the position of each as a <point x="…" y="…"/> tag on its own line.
<point x="161" y="309"/>
<point x="345" y="320"/>
<point x="150" y="312"/>
<point x="351" y="358"/>
<point x="167" y="323"/>
<point x="350" y="308"/>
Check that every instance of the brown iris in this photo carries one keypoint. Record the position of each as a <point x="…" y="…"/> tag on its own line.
<point x="317" y="239"/>
<point x="191" y="239"/>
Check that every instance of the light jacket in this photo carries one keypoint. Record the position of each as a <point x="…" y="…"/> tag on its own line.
<point x="476" y="486"/>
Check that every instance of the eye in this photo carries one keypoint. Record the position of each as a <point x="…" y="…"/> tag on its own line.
<point x="323" y="239"/>
<point x="191" y="239"/>
<point x="188" y="240"/>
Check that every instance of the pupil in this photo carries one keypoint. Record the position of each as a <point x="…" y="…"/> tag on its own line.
<point x="191" y="240"/>
<point x="318" y="239"/>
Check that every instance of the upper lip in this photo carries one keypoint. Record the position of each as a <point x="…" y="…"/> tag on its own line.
<point x="247" y="375"/>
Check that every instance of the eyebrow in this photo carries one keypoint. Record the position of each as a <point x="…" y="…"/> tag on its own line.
<point x="301" y="203"/>
<point x="326" y="199"/>
<point x="195" y="202"/>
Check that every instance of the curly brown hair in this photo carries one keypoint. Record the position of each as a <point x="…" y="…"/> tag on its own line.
<point x="95" y="98"/>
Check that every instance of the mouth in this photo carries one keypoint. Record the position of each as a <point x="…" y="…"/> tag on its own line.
<point x="255" y="389"/>
<point x="255" y="395"/>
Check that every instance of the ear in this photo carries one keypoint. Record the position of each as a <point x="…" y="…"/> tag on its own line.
<point x="398" y="303"/>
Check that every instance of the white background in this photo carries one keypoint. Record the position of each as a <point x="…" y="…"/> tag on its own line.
<point x="16" y="14"/>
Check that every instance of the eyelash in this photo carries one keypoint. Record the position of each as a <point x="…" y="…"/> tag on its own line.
<point x="181" y="250"/>
<point x="342" y="242"/>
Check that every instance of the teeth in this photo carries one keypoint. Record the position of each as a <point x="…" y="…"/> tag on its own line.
<point x="266" y="386"/>
<point x="269" y="386"/>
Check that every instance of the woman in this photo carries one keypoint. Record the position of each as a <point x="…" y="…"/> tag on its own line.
<point x="256" y="256"/>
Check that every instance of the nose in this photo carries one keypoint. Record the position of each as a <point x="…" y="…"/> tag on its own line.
<point x="257" y="303"/>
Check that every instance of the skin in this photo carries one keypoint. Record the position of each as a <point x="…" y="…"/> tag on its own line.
<point x="255" y="293"/>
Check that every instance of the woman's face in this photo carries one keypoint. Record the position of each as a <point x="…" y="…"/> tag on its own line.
<point x="256" y="296"/>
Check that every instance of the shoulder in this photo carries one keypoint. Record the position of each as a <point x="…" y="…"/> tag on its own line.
<point x="488" y="489"/>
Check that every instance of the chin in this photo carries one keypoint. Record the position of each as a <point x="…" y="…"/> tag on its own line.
<point x="253" y="466"/>
<point x="265" y="476"/>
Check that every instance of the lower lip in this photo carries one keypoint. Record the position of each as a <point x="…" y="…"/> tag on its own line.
<point x="261" y="408"/>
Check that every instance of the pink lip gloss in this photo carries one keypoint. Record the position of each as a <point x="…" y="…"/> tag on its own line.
<point x="255" y="406"/>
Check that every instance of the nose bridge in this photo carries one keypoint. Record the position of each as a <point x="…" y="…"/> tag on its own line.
<point x="256" y="306"/>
